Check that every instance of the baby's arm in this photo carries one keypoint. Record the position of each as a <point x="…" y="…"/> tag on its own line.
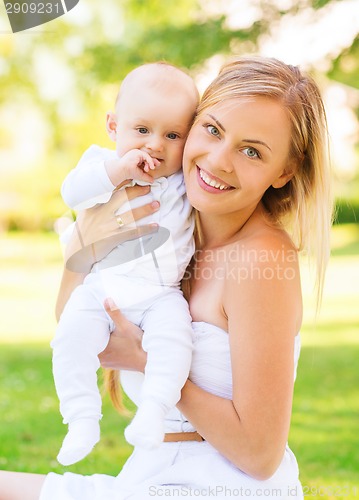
<point x="88" y="183"/>
<point x="100" y="171"/>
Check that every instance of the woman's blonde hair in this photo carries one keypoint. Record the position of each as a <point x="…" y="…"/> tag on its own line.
<point x="111" y="384"/>
<point x="304" y="205"/>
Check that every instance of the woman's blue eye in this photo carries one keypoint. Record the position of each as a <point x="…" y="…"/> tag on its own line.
<point x="213" y="130"/>
<point x="251" y="152"/>
<point x="142" y="130"/>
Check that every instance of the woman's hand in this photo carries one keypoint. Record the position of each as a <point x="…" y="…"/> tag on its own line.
<point x="98" y="230"/>
<point x="124" y="350"/>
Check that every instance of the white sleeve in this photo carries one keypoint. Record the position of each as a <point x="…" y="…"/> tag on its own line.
<point x="88" y="183"/>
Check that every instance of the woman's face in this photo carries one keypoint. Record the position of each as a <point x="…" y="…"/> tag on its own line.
<point x="234" y="152"/>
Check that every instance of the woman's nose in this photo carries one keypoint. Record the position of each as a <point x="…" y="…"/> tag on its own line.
<point x="220" y="157"/>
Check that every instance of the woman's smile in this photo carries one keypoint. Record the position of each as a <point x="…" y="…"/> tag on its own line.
<point x="211" y="183"/>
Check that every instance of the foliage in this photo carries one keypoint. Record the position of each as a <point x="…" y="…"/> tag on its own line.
<point x="68" y="78"/>
<point x="347" y="211"/>
<point x="345" y="68"/>
<point x="208" y="38"/>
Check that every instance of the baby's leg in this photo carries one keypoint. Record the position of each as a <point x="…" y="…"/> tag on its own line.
<point x="82" y="333"/>
<point x="168" y="342"/>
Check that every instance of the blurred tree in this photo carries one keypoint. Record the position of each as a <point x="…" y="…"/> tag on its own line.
<point x="345" y="68"/>
<point x="178" y="31"/>
<point x="70" y="76"/>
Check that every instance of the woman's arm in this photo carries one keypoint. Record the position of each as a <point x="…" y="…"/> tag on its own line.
<point x="264" y="315"/>
<point x="69" y="281"/>
<point x="97" y="233"/>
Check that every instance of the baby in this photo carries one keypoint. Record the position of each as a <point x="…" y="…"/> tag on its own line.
<point x="154" y="111"/>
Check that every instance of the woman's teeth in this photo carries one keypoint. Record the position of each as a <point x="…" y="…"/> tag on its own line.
<point x="211" y="182"/>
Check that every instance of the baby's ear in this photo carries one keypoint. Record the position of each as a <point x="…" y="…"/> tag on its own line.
<point x="111" y="125"/>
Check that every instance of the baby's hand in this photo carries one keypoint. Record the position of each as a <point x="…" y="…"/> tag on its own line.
<point x="135" y="164"/>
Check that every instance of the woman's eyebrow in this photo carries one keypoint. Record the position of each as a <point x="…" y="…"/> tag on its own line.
<point x="253" y="141"/>
<point x="256" y="141"/>
<point x="218" y="122"/>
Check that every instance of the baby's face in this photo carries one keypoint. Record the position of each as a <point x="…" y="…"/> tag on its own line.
<point x="155" y="120"/>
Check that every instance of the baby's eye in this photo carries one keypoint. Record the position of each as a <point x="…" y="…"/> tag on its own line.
<point x="251" y="152"/>
<point x="172" y="135"/>
<point x="142" y="130"/>
<point x="213" y="130"/>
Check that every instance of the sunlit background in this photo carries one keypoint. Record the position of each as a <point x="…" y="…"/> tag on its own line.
<point x="56" y="83"/>
<point x="58" y="80"/>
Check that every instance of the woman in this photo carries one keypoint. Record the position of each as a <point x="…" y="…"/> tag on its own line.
<point x="256" y="172"/>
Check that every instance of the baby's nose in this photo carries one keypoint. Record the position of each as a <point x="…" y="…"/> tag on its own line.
<point x="154" y="143"/>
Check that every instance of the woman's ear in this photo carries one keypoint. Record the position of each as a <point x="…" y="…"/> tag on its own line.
<point x="111" y="125"/>
<point x="285" y="176"/>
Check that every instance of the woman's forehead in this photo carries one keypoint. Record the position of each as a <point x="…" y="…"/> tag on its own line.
<point x="261" y="105"/>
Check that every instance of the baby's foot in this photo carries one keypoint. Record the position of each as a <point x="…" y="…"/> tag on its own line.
<point x="81" y="437"/>
<point x="147" y="427"/>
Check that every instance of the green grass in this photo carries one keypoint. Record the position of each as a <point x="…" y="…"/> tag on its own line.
<point x="324" y="433"/>
<point x="31" y="430"/>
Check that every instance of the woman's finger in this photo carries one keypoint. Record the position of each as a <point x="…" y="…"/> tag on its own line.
<point x="120" y="321"/>
<point x="110" y="305"/>
<point x="136" y="214"/>
<point x="123" y="327"/>
<point x="129" y="193"/>
<point x="120" y="196"/>
<point x="115" y="314"/>
<point x="136" y="190"/>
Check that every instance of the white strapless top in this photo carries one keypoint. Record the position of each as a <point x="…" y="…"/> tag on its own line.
<point x="210" y="369"/>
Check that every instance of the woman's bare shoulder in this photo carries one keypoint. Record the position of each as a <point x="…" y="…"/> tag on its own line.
<point x="265" y="274"/>
<point x="265" y="239"/>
